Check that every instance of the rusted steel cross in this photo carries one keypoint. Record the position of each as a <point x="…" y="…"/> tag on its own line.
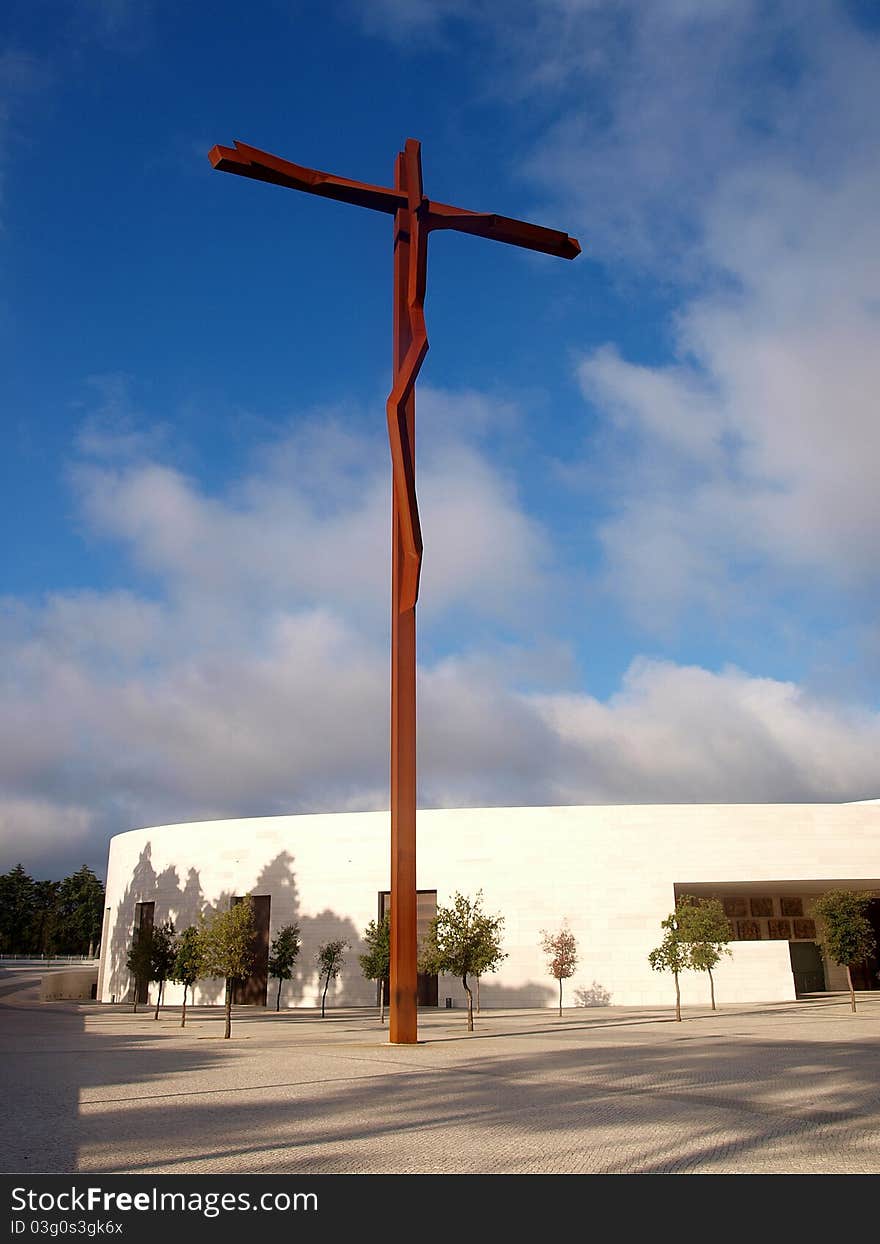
<point x="414" y="218"/>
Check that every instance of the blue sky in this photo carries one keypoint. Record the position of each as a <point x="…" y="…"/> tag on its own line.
<point x="647" y="477"/>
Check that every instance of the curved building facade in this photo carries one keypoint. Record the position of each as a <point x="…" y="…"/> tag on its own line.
<point x="612" y="873"/>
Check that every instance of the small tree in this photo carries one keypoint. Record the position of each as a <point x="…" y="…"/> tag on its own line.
<point x="463" y="941"/>
<point x="164" y="952"/>
<point x="703" y="925"/>
<point x="331" y="957"/>
<point x="139" y="960"/>
<point x="375" y="964"/>
<point x="188" y="964"/>
<point x="228" y="945"/>
<point x="848" y="933"/>
<point x="282" y="956"/>
<point x="672" y="955"/>
<point x="561" y="949"/>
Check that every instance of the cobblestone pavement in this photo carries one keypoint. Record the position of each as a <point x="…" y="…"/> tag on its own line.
<point x="786" y="1088"/>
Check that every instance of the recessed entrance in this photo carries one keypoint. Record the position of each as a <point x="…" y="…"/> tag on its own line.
<point x="807" y="967"/>
<point x="426" y="910"/>
<point x="783" y="911"/>
<point x="253" y="991"/>
<point x="144" y="915"/>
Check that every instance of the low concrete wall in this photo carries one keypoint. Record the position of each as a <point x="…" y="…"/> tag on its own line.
<point x="80" y="983"/>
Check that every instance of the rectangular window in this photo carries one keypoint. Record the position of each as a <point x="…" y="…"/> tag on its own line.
<point x="426" y="910"/>
<point x="254" y="990"/>
<point x="144" y="915"/>
<point x="762" y="906"/>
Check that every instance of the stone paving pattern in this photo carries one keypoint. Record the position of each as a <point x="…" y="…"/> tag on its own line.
<point x="786" y="1088"/>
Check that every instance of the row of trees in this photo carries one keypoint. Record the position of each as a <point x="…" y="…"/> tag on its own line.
<point x="220" y="946"/>
<point x="697" y="934"/>
<point x="50" y="917"/>
<point x="696" y="937"/>
<point x="463" y="941"/>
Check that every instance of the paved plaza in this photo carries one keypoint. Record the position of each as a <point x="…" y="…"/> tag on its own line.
<point x="786" y="1088"/>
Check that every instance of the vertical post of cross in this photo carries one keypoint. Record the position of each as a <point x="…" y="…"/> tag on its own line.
<point x="403" y="1015"/>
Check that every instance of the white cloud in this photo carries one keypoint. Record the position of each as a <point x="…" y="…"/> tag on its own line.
<point x="684" y="734"/>
<point x="90" y="746"/>
<point x="253" y="677"/>
<point x="233" y="692"/>
<point x="737" y="149"/>
<point x="724" y="154"/>
<point x="760" y="443"/>
<point x="310" y="523"/>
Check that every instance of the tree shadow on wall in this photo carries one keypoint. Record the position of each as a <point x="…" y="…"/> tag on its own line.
<point x="185" y="904"/>
<point x="348" y="988"/>
<point x="182" y="904"/>
<point x="501" y="997"/>
<point x="142" y="888"/>
<point x="278" y="879"/>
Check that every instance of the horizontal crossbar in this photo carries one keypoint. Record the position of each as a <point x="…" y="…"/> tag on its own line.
<point x="251" y="162"/>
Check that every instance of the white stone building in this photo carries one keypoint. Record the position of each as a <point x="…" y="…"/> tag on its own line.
<point x="612" y="873"/>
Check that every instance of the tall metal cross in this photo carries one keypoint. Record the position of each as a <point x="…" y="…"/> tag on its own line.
<point x="414" y="218"/>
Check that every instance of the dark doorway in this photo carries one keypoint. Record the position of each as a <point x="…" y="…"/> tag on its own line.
<point x="864" y="974"/>
<point x="253" y="991"/>
<point x="144" y="915"/>
<point x="807" y="967"/>
<point x="426" y="910"/>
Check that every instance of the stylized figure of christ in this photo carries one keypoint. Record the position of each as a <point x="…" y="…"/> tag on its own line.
<point x="414" y="218"/>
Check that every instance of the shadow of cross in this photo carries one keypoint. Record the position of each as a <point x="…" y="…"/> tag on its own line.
<point x="415" y="216"/>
